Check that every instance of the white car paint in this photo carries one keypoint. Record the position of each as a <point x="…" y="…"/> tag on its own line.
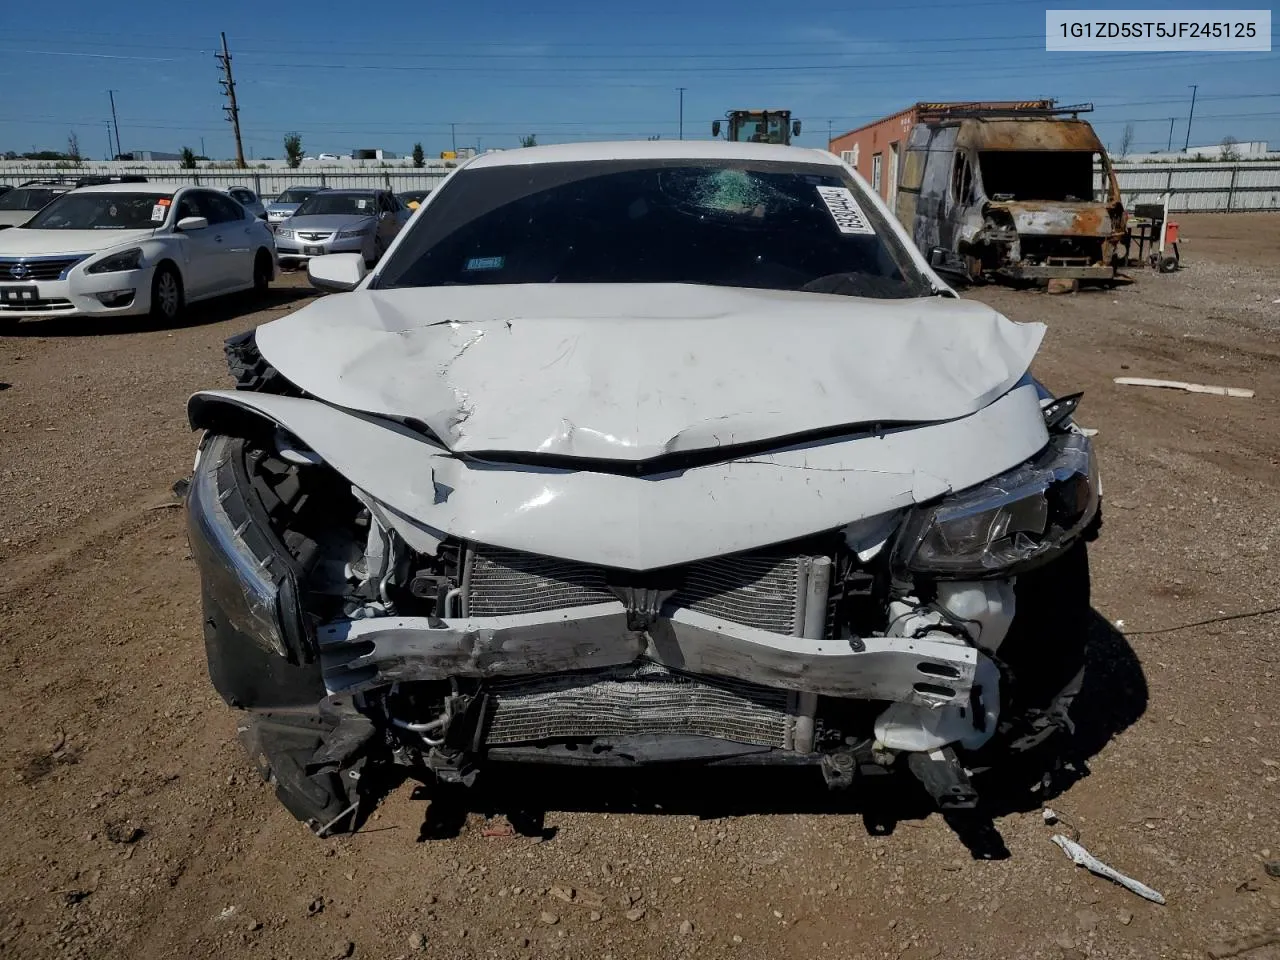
<point x="627" y="373"/>
<point x="642" y="523"/>
<point x="216" y="260"/>
<point x="633" y="372"/>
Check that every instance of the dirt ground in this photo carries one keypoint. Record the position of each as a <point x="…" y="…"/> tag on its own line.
<point x="136" y="828"/>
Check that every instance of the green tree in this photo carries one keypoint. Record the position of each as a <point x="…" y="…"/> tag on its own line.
<point x="188" y="158"/>
<point x="530" y="141"/>
<point x="293" y="150"/>
<point x="419" y="158"/>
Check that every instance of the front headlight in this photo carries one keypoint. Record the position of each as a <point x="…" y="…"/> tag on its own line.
<point x="1011" y="522"/>
<point x="352" y="234"/>
<point x="130" y="259"/>
<point x="284" y="234"/>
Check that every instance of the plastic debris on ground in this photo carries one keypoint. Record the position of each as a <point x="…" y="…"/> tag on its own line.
<point x="1182" y="385"/>
<point x="1083" y="858"/>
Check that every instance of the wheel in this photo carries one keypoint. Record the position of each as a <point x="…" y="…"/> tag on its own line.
<point x="263" y="273"/>
<point x="167" y="298"/>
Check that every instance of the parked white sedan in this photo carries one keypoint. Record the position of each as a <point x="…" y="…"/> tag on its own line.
<point x="132" y="249"/>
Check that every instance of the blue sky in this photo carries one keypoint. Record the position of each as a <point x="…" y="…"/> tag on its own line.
<point x="348" y="75"/>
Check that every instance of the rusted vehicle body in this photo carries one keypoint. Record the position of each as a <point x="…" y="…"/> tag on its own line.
<point x="1012" y="197"/>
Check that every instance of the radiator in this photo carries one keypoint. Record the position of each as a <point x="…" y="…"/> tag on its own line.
<point x="498" y="583"/>
<point x="639" y="698"/>
<point x="763" y="590"/>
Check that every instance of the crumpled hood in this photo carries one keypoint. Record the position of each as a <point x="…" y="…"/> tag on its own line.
<point x="31" y="243"/>
<point x="631" y="372"/>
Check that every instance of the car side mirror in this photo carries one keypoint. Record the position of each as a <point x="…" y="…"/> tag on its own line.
<point x="187" y="224"/>
<point x="336" y="272"/>
<point x="949" y="264"/>
<point x="795" y="128"/>
<point x="715" y="128"/>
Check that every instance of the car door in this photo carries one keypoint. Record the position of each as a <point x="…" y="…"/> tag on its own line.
<point x="404" y="213"/>
<point x="388" y="225"/>
<point x="235" y="228"/>
<point x="201" y="249"/>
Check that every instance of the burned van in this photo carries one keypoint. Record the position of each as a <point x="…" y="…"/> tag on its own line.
<point x="1011" y="196"/>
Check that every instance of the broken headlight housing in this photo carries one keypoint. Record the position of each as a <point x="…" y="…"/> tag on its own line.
<point x="1009" y="523"/>
<point x="244" y="568"/>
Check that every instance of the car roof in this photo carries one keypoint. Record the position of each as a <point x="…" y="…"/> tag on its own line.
<point x="359" y="191"/>
<point x="652" y="150"/>
<point x="156" y="189"/>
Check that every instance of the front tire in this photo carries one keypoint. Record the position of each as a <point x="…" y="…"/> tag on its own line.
<point x="167" y="298"/>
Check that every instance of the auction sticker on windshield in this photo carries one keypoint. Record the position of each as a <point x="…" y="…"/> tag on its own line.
<point x="845" y="211"/>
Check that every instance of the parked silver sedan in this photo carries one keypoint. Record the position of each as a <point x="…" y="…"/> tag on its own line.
<point x="341" y="221"/>
<point x="286" y="204"/>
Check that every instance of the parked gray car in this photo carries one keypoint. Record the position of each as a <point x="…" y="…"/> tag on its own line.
<point x="21" y="204"/>
<point x="341" y="221"/>
<point x="286" y="204"/>
<point x="249" y="200"/>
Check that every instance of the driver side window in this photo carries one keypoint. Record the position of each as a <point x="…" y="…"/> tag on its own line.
<point x="190" y="206"/>
<point x="222" y="209"/>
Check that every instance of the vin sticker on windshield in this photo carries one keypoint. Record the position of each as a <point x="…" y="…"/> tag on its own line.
<point x="845" y="211"/>
<point x="158" y="213"/>
<point x="486" y="263"/>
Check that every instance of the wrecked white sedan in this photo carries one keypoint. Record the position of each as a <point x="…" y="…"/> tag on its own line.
<point x="644" y="453"/>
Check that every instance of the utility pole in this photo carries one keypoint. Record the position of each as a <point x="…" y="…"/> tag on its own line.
<point x="1170" y="147"/>
<point x="229" y="90"/>
<point x="681" y="89"/>
<point x="202" y="153"/>
<point x="829" y="122"/>
<point x="1187" y="146"/>
<point x="108" y="124"/>
<point x="114" y="122"/>
<point x="453" y="134"/>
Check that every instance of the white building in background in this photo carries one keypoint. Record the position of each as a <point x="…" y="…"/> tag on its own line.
<point x="1245" y="150"/>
